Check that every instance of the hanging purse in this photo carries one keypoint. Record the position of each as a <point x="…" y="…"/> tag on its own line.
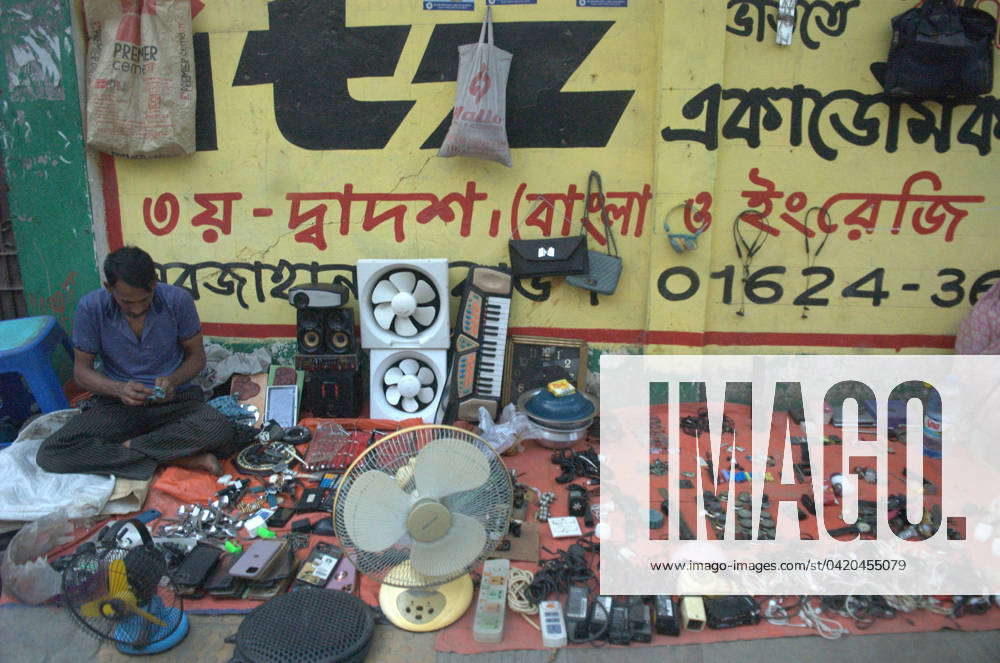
<point x="940" y="51"/>
<point x="552" y="256"/>
<point x="604" y="268"/>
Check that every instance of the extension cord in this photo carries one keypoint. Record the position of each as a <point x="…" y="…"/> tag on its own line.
<point x="553" y="626"/>
<point x="492" y="604"/>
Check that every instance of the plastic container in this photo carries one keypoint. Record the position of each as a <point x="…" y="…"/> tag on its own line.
<point x="932" y="424"/>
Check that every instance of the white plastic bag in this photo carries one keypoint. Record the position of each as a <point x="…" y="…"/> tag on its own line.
<point x="26" y="573"/>
<point x="28" y="492"/>
<point x="511" y="427"/>
<point x="479" y="121"/>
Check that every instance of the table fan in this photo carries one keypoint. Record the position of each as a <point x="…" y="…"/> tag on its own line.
<point x="125" y="596"/>
<point x="416" y="511"/>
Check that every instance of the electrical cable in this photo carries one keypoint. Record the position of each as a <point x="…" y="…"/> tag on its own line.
<point x="518" y="582"/>
<point x="826" y="627"/>
<point x="750" y="249"/>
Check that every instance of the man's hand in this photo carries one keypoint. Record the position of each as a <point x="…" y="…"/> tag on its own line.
<point x="133" y="393"/>
<point x="167" y="384"/>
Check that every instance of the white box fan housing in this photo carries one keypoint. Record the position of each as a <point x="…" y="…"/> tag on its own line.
<point x="404" y="303"/>
<point x="406" y="383"/>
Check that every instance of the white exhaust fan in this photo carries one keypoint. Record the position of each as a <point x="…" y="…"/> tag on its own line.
<point x="404" y="303"/>
<point x="406" y="383"/>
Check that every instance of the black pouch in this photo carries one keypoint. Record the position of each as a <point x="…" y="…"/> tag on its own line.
<point x="555" y="256"/>
<point x="941" y="51"/>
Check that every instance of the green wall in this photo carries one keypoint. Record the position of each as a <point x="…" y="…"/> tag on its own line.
<point x="41" y="138"/>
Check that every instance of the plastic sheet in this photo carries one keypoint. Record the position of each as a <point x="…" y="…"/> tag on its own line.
<point x="28" y="492"/>
<point x="510" y="428"/>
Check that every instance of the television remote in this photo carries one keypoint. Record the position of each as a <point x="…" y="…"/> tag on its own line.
<point x="492" y="604"/>
<point x="550" y="615"/>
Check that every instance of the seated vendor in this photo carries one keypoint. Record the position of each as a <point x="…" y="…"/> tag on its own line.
<point x="148" y="335"/>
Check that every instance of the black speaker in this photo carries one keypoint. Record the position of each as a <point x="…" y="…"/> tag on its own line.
<point x="325" y="331"/>
<point x="333" y="385"/>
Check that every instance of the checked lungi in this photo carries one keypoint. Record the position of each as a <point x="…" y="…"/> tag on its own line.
<point x="91" y="443"/>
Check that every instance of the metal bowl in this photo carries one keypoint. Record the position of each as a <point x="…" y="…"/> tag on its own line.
<point x="559" y="439"/>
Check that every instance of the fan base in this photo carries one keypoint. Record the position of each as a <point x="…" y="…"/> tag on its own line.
<point x="169" y="642"/>
<point x="430" y="609"/>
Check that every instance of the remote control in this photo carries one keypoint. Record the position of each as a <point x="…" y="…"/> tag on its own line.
<point x="492" y="605"/>
<point x="550" y="615"/>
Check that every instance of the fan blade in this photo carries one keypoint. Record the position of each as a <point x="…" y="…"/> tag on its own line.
<point x="384" y="292"/>
<point x="118" y="578"/>
<point x="425" y="315"/>
<point x="383" y="315"/>
<point x="375" y="511"/>
<point x="409" y="366"/>
<point x="411" y="404"/>
<point x="405" y="327"/>
<point x="392" y="376"/>
<point x="148" y="616"/>
<point x="453" y="552"/>
<point x="424" y="292"/>
<point x="449" y="465"/>
<point x="425" y="375"/>
<point x="392" y="395"/>
<point x="425" y="395"/>
<point x="404" y="281"/>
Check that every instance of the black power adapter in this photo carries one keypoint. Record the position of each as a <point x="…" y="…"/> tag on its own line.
<point x="665" y="615"/>
<point x="577" y="625"/>
<point x="640" y="621"/>
<point x="619" y="626"/>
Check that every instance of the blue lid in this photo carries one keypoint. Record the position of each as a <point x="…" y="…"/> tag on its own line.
<point x="573" y="407"/>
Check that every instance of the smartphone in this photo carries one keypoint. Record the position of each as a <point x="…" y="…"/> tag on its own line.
<point x="319" y="566"/>
<point x="196" y="565"/>
<point x="256" y="559"/>
<point x="280" y="517"/>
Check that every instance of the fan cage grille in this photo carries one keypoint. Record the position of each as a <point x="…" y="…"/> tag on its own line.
<point x="490" y="504"/>
<point x="86" y="580"/>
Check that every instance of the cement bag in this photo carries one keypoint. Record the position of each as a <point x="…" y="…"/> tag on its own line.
<point x="140" y="77"/>
<point x="479" y="122"/>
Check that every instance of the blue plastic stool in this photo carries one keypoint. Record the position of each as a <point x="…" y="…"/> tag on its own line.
<point x="25" y="347"/>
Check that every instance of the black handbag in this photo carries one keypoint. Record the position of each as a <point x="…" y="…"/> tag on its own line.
<point x="941" y="51"/>
<point x="605" y="268"/>
<point x="555" y="256"/>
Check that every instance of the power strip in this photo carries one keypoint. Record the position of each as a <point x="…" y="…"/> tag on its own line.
<point x="492" y="604"/>
<point x="550" y="615"/>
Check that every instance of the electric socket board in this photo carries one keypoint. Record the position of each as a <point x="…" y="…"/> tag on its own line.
<point x="492" y="604"/>
<point x="550" y="614"/>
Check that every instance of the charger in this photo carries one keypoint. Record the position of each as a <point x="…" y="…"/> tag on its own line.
<point x="619" y="626"/>
<point x="665" y="615"/>
<point x="577" y="604"/>
<point x="693" y="613"/>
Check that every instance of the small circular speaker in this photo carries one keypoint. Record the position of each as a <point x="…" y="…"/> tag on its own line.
<point x="339" y="341"/>
<point x="310" y="340"/>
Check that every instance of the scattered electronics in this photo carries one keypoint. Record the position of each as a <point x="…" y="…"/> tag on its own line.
<point x="282" y="405"/>
<point x="619" y="626"/>
<point x="492" y="604"/>
<point x="640" y="621"/>
<point x="600" y="613"/>
<point x="693" y="613"/>
<point x="564" y="526"/>
<point x="550" y="617"/>
<point x="319" y="566"/>
<point x="729" y="611"/>
<point x="665" y="615"/>
<point x="577" y="613"/>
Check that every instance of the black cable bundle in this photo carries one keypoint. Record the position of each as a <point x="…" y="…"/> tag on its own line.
<point x="557" y="574"/>
<point x="576" y="464"/>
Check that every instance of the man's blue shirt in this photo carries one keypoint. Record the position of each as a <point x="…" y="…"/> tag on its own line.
<point x="100" y="328"/>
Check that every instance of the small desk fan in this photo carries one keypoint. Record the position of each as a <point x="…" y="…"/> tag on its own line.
<point x="416" y="511"/>
<point x="125" y="596"/>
